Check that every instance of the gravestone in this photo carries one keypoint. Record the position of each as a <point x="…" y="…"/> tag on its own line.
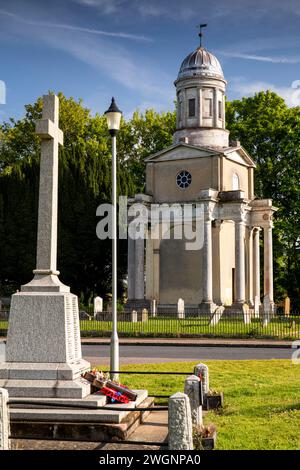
<point x="266" y="310"/>
<point x="287" y="306"/>
<point x="43" y="342"/>
<point x="256" y="306"/>
<point x="144" y="315"/>
<point x="217" y="315"/>
<point x="98" y="305"/>
<point x="134" y="316"/>
<point x="246" y="314"/>
<point x="153" y="308"/>
<point x="180" y="309"/>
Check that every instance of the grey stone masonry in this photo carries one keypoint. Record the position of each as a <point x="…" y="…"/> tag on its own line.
<point x="180" y="422"/>
<point x="201" y="370"/>
<point x="4" y="420"/>
<point x="192" y="390"/>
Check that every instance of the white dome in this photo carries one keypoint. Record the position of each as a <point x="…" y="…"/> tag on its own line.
<point x="200" y="63"/>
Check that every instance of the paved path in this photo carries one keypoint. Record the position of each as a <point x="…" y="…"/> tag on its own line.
<point x="130" y="354"/>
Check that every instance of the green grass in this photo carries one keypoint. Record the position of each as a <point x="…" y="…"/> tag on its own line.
<point x="280" y="328"/>
<point x="262" y="400"/>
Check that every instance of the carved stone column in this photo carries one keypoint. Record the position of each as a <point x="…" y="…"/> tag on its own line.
<point x="240" y="262"/>
<point x="268" y="263"/>
<point x="256" y="263"/>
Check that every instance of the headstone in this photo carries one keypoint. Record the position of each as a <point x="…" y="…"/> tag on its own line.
<point x="246" y="314"/>
<point x="4" y="420"/>
<point x="98" y="305"/>
<point x="144" y="315"/>
<point x="153" y="308"/>
<point x="192" y="386"/>
<point x="201" y="371"/>
<point x="217" y="315"/>
<point x="43" y="341"/>
<point x="134" y="316"/>
<point x="266" y="310"/>
<point x="180" y="309"/>
<point x="180" y="423"/>
<point x="256" y="306"/>
<point x="287" y="306"/>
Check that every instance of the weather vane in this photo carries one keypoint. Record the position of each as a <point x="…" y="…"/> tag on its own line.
<point x="201" y="26"/>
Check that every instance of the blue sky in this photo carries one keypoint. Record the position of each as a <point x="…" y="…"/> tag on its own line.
<point x="132" y="49"/>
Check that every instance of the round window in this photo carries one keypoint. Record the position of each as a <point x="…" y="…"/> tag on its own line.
<point x="183" y="179"/>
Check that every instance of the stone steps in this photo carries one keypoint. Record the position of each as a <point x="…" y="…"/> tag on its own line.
<point x="78" y="388"/>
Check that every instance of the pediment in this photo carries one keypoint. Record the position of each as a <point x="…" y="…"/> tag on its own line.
<point x="239" y="155"/>
<point x="181" y="152"/>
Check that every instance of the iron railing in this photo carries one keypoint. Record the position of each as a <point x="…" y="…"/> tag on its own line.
<point x="231" y="324"/>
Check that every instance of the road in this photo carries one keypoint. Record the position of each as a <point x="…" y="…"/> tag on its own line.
<point x="130" y="354"/>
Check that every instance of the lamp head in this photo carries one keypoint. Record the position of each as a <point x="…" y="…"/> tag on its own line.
<point x="113" y="117"/>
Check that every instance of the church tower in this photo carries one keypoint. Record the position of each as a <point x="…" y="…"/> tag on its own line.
<point x="202" y="168"/>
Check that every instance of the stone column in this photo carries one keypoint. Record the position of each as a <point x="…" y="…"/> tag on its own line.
<point x="201" y="370"/>
<point x="192" y="390"/>
<point x="131" y="268"/>
<point x="215" y="108"/>
<point x="268" y="263"/>
<point x="250" y="267"/>
<point x="240" y="262"/>
<point x="256" y="263"/>
<point x="139" y="268"/>
<point x="207" y="262"/>
<point x="185" y="110"/>
<point x="199" y="94"/>
<point x="156" y="264"/>
<point x="180" y="423"/>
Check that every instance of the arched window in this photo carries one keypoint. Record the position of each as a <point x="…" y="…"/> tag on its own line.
<point x="235" y="182"/>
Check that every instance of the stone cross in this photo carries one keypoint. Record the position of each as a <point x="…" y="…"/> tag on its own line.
<point x="47" y="129"/>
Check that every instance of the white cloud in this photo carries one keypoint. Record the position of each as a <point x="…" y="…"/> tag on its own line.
<point x="69" y="27"/>
<point x="291" y="94"/>
<point x="261" y="58"/>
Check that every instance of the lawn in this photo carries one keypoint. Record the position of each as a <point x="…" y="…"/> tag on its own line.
<point x="262" y="400"/>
